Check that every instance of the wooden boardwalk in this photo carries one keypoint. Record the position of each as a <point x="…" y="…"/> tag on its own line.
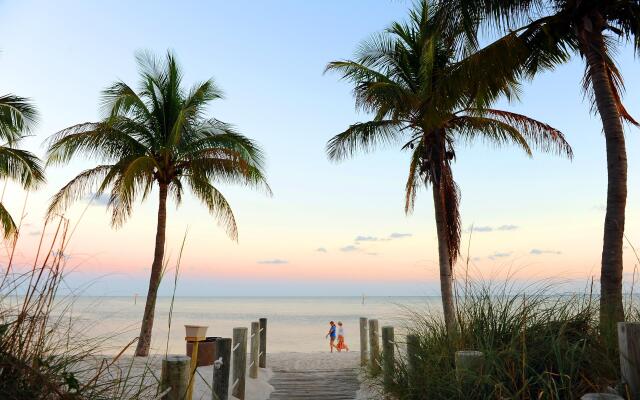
<point x="333" y="384"/>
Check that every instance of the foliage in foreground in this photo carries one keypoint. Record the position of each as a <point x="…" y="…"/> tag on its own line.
<point x="536" y="346"/>
<point x="41" y="354"/>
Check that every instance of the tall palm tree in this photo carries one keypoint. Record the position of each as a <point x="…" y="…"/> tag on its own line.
<point x="544" y="33"/>
<point x="160" y="136"/>
<point x="17" y="115"/>
<point x="427" y="98"/>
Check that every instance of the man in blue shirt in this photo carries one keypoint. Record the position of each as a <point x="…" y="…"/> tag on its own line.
<point x="331" y="334"/>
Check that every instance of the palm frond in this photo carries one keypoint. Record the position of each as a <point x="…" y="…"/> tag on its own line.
<point x="364" y="136"/>
<point x="6" y="223"/>
<point x="538" y="135"/>
<point x="17" y="116"/>
<point x="616" y="82"/>
<point x="79" y="188"/>
<point x="414" y="179"/>
<point x="452" y="210"/>
<point x="21" y="166"/>
<point x="216" y="203"/>
<point x="134" y="180"/>
<point x="107" y="141"/>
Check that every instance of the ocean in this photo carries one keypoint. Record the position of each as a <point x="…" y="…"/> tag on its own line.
<point x="295" y="324"/>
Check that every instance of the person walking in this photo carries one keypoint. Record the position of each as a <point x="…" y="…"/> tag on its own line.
<point x="332" y="335"/>
<point x="341" y="344"/>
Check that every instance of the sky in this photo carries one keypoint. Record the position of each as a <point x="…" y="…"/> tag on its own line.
<point x="329" y="229"/>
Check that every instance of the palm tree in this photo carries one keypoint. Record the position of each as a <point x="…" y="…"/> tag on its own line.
<point x="426" y="98"/>
<point x="160" y="137"/>
<point x="17" y="115"/>
<point x="554" y="31"/>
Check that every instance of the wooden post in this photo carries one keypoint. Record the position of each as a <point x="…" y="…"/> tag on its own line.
<point x="192" y="370"/>
<point x="629" y="344"/>
<point x="255" y="350"/>
<point x="238" y="379"/>
<point x="221" y="370"/>
<point x="263" y="343"/>
<point x="175" y="377"/>
<point x="388" y="355"/>
<point x="374" y="347"/>
<point x="469" y="364"/>
<point x="413" y="359"/>
<point x="364" y="342"/>
<point x="601" y="396"/>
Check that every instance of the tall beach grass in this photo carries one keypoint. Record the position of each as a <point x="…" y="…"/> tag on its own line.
<point x="43" y="354"/>
<point x="538" y="345"/>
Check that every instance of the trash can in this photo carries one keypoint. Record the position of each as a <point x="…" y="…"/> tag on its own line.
<point x="207" y="350"/>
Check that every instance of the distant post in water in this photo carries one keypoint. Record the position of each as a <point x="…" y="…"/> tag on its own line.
<point x="239" y="362"/>
<point x="255" y="350"/>
<point x="364" y="342"/>
<point x="175" y="377"/>
<point x="374" y="347"/>
<point x="388" y="355"/>
<point x="221" y="370"/>
<point x="263" y="343"/>
<point x="629" y="344"/>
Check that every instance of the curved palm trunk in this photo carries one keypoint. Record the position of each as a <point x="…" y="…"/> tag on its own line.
<point x="611" y="308"/>
<point x="144" y="341"/>
<point x="446" y="270"/>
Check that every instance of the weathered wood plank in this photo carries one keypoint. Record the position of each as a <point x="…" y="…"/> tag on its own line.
<point x="339" y="384"/>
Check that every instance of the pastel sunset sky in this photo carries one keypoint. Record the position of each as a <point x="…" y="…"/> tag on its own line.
<point x="329" y="228"/>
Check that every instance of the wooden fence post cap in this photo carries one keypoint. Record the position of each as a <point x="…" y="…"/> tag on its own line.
<point x="469" y="353"/>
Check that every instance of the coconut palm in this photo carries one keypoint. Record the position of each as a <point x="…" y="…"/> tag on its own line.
<point x="549" y="32"/>
<point x="17" y="115"/>
<point x="427" y="99"/>
<point x="158" y="137"/>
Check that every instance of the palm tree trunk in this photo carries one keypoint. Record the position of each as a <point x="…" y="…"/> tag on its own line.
<point x="446" y="270"/>
<point x="611" y="308"/>
<point x="144" y="341"/>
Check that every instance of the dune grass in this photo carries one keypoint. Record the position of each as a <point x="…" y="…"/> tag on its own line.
<point x="536" y="346"/>
<point x="42" y="354"/>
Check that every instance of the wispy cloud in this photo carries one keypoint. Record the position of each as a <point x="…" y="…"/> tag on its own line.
<point x="321" y="250"/>
<point x="487" y="228"/>
<point x="397" y="235"/>
<point x="537" y="252"/>
<point x="275" y="261"/>
<point x="372" y="254"/>
<point x="349" y="248"/>
<point x="499" y="254"/>
<point x="35" y="233"/>
<point x="361" y="238"/>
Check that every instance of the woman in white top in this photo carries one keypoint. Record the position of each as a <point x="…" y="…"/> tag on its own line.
<point x="341" y="344"/>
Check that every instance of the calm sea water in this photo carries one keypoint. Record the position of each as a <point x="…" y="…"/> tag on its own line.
<point x="294" y="323"/>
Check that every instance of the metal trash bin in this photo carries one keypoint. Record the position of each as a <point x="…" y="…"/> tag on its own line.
<point x="207" y="350"/>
